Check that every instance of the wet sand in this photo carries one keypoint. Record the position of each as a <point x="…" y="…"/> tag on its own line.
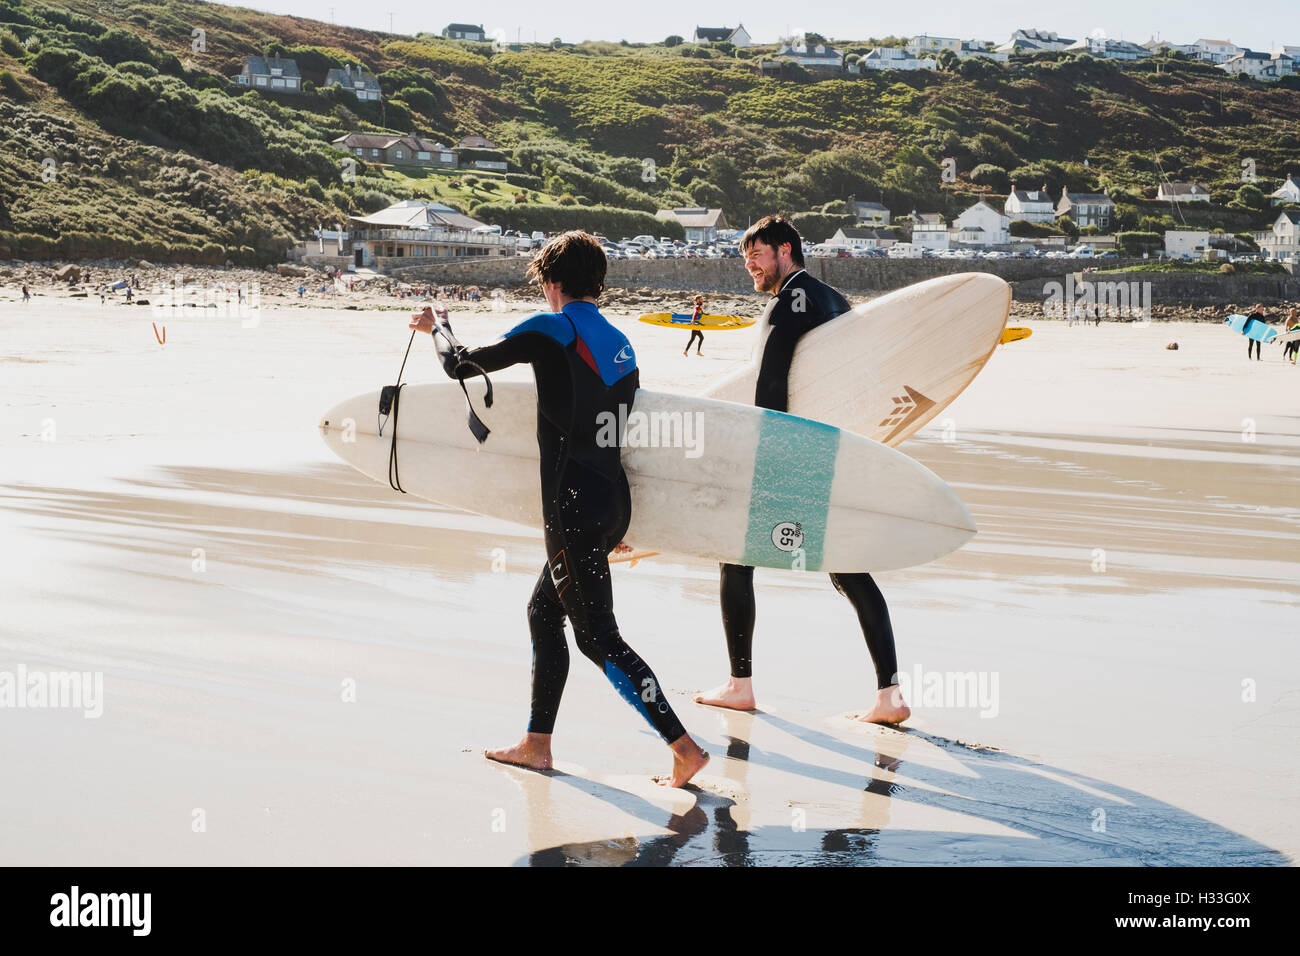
<point x="301" y="666"/>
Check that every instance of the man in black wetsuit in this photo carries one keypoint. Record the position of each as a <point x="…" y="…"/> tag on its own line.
<point x="583" y="367"/>
<point x="774" y="257"/>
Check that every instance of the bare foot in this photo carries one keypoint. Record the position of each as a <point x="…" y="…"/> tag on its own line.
<point x="688" y="760"/>
<point x="888" y="708"/>
<point x="534" y="751"/>
<point x="737" y="694"/>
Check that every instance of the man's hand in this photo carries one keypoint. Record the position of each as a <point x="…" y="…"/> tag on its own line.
<point x="424" y="321"/>
<point x="622" y="548"/>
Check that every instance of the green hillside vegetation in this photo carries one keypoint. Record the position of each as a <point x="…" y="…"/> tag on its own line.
<point x="157" y="153"/>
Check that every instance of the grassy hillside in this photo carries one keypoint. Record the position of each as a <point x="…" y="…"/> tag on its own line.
<point x="156" y="153"/>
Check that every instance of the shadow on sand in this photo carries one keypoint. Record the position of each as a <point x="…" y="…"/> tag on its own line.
<point x="1058" y="817"/>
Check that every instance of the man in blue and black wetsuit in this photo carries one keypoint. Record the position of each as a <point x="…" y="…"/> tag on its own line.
<point x="583" y="367"/>
<point x="774" y="258"/>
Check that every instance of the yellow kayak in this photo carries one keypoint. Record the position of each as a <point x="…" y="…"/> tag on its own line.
<point x="707" y="323"/>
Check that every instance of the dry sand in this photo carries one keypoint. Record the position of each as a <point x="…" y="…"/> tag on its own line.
<point x="301" y="666"/>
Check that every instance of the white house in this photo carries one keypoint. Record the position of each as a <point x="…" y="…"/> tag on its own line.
<point x="1215" y="51"/>
<point x="1283" y="240"/>
<point x="1183" y="192"/>
<point x="982" y="224"/>
<point x="278" y="74"/>
<point x="738" y="37"/>
<point x="1109" y="49"/>
<point x="701" y="224"/>
<point x="929" y="231"/>
<point x="871" y="214"/>
<point x="932" y="45"/>
<point x="1032" y="205"/>
<point x="862" y="238"/>
<point x="893" y="58"/>
<point x="1288" y="192"/>
<point x="1259" y="65"/>
<point x="413" y="230"/>
<point x="1033" y="41"/>
<point x="1186" y="243"/>
<point x="1086" y="209"/>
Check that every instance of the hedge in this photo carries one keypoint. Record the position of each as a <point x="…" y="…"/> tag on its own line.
<point x="525" y="181"/>
<point x="606" y="220"/>
<point x="81" y="245"/>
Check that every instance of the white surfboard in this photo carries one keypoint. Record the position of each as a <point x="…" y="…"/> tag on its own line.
<point x="736" y="484"/>
<point x="1282" y="338"/>
<point x="889" y="366"/>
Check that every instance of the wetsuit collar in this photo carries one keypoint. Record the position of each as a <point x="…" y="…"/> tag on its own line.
<point x="585" y="305"/>
<point x="786" y="281"/>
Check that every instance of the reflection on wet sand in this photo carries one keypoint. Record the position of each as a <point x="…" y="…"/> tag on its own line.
<point x="1040" y="815"/>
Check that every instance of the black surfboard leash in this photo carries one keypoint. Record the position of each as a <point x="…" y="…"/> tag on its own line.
<point x="390" y="401"/>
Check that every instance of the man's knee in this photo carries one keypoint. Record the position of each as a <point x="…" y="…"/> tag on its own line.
<point x="598" y="637"/>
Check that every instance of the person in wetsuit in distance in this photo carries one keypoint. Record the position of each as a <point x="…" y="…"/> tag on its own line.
<point x="696" y="332"/>
<point x="583" y="366"/>
<point x="774" y="257"/>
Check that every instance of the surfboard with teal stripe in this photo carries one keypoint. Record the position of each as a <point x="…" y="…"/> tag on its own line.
<point x="790" y="493"/>
<point x="713" y="480"/>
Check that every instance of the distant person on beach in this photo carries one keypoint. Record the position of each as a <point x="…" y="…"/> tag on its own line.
<point x="1254" y="344"/>
<point x="1292" y="323"/>
<point x="695" y="332"/>
<point x="27" y="293"/>
<point x="583" y="367"/>
<point x="128" y="295"/>
<point x="773" y="255"/>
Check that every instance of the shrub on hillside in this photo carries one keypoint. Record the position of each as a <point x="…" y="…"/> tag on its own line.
<point x="606" y="220"/>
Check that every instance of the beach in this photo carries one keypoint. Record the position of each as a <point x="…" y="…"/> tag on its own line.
<point x="303" y="666"/>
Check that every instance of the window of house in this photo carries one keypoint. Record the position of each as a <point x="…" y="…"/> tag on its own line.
<point x="423" y="154"/>
<point x="374" y="153"/>
<point x="359" y="151"/>
<point x="398" y="153"/>
<point x="260" y="81"/>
